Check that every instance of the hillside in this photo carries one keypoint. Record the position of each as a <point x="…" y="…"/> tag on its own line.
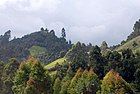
<point x="59" y="61"/>
<point x="44" y="45"/>
<point x="133" y="44"/>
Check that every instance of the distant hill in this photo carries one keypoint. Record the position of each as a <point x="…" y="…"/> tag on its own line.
<point x="44" y="45"/>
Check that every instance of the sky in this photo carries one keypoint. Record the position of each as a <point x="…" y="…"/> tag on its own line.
<point x="88" y="21"/>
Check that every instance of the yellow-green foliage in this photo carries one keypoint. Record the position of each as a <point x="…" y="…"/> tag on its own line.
<point x="54" y="63"/>
<point x="65" y="84"/>
<point x="113" y="83"/>
<point x="83" y="82"/>
<point x="57" y="86"/>
<point x="37" y="50"/>
<point x="87" y="81"/>
<point x="74" y="81"/>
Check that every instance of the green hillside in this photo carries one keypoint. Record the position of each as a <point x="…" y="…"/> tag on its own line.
<point x="58" y="61"/>
<point x="133" y="44"/>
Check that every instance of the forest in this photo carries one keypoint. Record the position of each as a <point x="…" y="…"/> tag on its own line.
<point x="43" y="63"/>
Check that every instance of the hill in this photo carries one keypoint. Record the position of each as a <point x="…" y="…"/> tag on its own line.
<point x="133" y="44"/>
<point x="44" y="45"/>
<point x="136" y="31"/>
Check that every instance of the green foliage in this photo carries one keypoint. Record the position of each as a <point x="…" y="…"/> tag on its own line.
<point x="97" y="61"/>
<point x="30" y="89"/>
<point x="137" y="79"/>
<point x="127" y="54"/>
<point x="114" y="61"/>
<point x="84" y="82"/>
<point x="113" y="56"/>
<point x="45" y="46"/>
<point x="74" y="81"/>
<point x="114" y="84"/>
<point x="7" y="76"/>
<point x="65" y="84"/>
<point x="77" y="56"/>
<point x="31" y="78"/>
<point x="57" y="86"/>
<point x="88" y="82"/>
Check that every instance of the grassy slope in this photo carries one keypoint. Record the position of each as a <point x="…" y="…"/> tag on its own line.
<point x="59" y="61"/>
<point x="129" y="45"/>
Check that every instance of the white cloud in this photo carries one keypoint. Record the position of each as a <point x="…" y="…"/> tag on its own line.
<point x="84" y="20"/>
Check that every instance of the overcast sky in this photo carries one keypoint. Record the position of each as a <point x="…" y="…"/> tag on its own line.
<point x="84" y="20"/>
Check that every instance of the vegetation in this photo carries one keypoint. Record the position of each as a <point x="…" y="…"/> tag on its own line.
<point x="33" y="44"/>
<point x="46" y="64"/>
<point x="114" y="84"/>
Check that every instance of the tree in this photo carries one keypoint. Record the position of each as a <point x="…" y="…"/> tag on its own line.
<point x="70" y="42"/>
<point x="47" y="30"/>
<point x="65" y="84"/>
<point x="127" y="68"/>
<point x="31" y="78"/>
<point x="57" y="86"/>
<point x="8" y="74"/>
<point x="72" y="87"/>
<point x="52" y="32"/>
<point x="63" y="33"/>
<point x="113" y="83"/>
<point x="137" y="78"/>
<point x="127" y="53"/>
<point x="113" y="60"/>
<point x="42" y="29"/>
<point x="113" y="56"/>
<point x="77" y="56"/>
<point x="134" y="44"/>
<point x="88" y="83"/>
<point x="97" y="61"/>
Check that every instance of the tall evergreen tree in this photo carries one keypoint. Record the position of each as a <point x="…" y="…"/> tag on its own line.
<point x="63" y="33"/>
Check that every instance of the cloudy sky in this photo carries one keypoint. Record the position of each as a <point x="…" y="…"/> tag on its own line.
<point x="84" y="20"/>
